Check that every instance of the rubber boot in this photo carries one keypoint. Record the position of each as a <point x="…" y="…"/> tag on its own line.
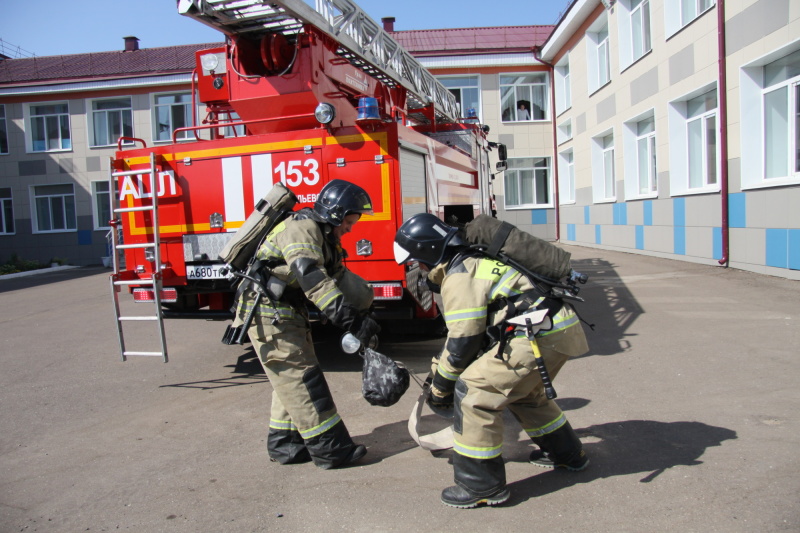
<point x="478" y="481"/>
<point x="560" y="449"/>
<point x="287" y="447"/>
<point x="334" y="448"/>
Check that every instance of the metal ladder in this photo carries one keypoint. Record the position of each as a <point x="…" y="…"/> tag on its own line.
<point x="118" y="279"/>
<point x="362" y="41"/>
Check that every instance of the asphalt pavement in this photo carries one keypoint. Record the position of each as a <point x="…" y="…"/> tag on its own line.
<point x="688" y="405"/>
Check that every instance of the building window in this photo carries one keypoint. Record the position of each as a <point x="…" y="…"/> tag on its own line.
<point x="173" y="111"/>
<point x="111" y="119"/>
<point x="563" y="85"/>
<point x="527" y="182"/>
<point x="102" y="204"/>
<point x="640" y="28"/>
<point x="6" y="211"/>
<point x="691" y="9"/>
<point x="694" y="155"/>
<point x="467" y="91"/>
<point x="634" y="31"/>
<point x="598" y="56"/>
<point x="564" y="131"/>
<point x="701" y="133"/>
<point x="678" y="14"/>
<point x="639" y="139"/>
<point x="49" y="127"/>
<point x="782" y="117"/>
<point x="770" y="102"/>
<point x="608" y="166"/>
<point x="646" y="156"/>
<point x="603" y="168"/>
<point x="3" y="130"/>
<point x="523" y="97"/>
<point x="566" y="177"/>
<point x="54" y="207"/>
<point x="232" y="131"/>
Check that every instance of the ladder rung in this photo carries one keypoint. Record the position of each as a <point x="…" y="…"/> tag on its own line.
<point x="138" y="318"/>
<point x="134" y="282"/>
<point x="139" y="245"/>
<point x="132" y="209"/>
<point x="148" y="354"/>
<point x="131" y="172"/>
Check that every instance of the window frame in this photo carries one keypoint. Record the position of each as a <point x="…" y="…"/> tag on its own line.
<point x="674" y="18"/>
<point x="512" y="173"/>
<point x="593" y="47"/>
<point x="4" y="142"/>
<point x="602" y="153"/>
<point x="678" y="119"/>
<point x="63" y="119"/>
<point x="6" y="207"/>
<point x="754" y="88"/>
<point x="190" y="117"/>
<point x="101" y="203"/>
<point x="564" y="131"/>
<point x="632" y="168"/>
<point x="626" y="21"/>
<point x="702" y="119"/>
<point x="566" y="177"/>
<point x="461" y="88"/>
<point x="544" y="85"/>
<point x="563" y="85"/>
<point x="67" y="206"/>
<point x="92" y="118"/>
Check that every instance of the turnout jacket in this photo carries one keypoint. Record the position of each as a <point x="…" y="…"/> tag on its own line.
<point x="469" y="287"/>
<point x="308" y="257"/>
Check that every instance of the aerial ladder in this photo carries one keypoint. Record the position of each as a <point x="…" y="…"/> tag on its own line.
<point x="361" y="41"/>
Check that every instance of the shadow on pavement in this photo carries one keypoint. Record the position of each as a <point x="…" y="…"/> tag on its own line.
<point x="609" y="305"/>
<point x="645" y="447"/>
<point x="53" y="276"/>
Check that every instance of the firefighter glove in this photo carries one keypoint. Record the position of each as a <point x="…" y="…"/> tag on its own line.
<point x="440" y="400"/>
<point x="364" y="328"/>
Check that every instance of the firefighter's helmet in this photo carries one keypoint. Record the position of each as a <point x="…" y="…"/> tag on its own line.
<point x="424" y="238"/>
<point x="339" y="198"/>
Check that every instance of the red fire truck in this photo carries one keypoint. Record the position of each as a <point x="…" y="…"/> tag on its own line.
<point x="300" y="96"/>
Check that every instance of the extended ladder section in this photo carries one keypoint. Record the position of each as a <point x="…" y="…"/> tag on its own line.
<point x="119" y="279"/>
<point x="362" y="41"/>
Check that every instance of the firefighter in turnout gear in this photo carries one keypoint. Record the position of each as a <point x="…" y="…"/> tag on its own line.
<point x="305" y="254"/>
<point x="478" y="381"/>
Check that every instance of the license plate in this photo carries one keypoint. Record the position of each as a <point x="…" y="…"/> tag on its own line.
<point x="203" y="272"/>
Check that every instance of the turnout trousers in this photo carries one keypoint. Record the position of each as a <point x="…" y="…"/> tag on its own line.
<point x="491" y="384"/>
<point x="304" y="423"/>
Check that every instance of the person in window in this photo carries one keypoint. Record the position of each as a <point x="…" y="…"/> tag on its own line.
<point x="523" y="113"/>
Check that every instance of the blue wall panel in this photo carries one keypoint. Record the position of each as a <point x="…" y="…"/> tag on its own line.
<point x="539" y="216"/>
<point x="717" y="242"/>
<point x="648" y="213"/>
<point x="737" y="210"/>
<point x="794" y="249"/>
<point x="777" y="248"/>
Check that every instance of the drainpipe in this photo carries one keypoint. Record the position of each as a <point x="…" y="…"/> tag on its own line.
<point x="537" y="54"/>
<point x="723" y="129"/>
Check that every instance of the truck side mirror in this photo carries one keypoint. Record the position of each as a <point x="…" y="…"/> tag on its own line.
<point x="501" y="166"/>
<point x="502" y="153"/>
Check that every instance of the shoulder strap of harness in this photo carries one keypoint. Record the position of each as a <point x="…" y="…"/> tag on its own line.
<point x="499" y="238"/>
